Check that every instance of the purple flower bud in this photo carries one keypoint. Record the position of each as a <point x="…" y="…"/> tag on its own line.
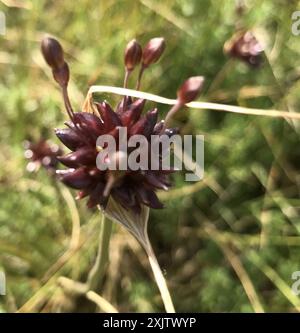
<point x="124" y="104"/>
<point x="77" y="179"/>
<point x="133" y="55"/>
<point x="108" y="115"/>
<point x="138" y="127"/>
<point x="53" y="53"/>
<point x="69" y="138"/>
<point x="54" y="56"/>
<point x="243" y="45"/>
<point x="151" y="118"/>
<point x="133" y="113"/>
<point x="153" y="51"/>
<point x="190" y="89"/>
<point x="82" y="156"/>
<point x="62" y="75"/>
<point x="90" y="123"/>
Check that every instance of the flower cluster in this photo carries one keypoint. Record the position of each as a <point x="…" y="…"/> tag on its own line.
<point x="243" y="45"/>
<point x="42" y="153"/>
<point x="129" y="188"/>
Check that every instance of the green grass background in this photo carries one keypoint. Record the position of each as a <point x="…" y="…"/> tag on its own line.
<point x="230" y="245"/>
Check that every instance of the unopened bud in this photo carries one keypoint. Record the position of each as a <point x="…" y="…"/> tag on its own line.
<point x="133" y="55"/>
<point x="153" y="51"/>
<point x="62" y="75"/>
<point x="53" y="52"/>
<point x="190" y="89"/>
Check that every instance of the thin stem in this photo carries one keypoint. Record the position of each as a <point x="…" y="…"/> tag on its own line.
<point x="127" y="74"/>
<point x="170" y="115"/>
<point x="138" y="85"/>
<point x="67" y="102"/>
<point x="160" y="280"/>
<point x="97" y="272"/>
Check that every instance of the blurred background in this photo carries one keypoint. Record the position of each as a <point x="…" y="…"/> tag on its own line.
<point x="227" y="244"/>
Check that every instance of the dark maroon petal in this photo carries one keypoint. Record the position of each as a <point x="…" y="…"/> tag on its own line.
<point x="151" y="117"/>
<point x="149" y="198"/>
<point x="89" y="123"/>
<point x="82" y="156"/>
<point x="155" y="181"/>
<point x="114" y="132"/>
<point x="124" y="196"/>
<point x="158" y="127"/>
<point x="124" y="104"/>
<point x="95" y="173"/>
<point x="77" y="179"/>
<point x="138" y="127"/>
<point x="134" y="112"/>
<point x="69" y="138"/>
<point x="96" y="196"/>
<point x="108" y="116"/>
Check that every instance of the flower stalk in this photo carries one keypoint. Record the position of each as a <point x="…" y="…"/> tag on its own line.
<point x="96" y="274"/>
<point x="159" y="279"/>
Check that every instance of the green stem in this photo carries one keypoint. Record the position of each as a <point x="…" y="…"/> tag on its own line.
<point x="159" y="279"/>
<point x="97" y="272"/>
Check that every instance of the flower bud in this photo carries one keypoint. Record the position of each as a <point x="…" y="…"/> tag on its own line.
<point x="69" y="138"/>
<point x="153" y="50"/>
<point x="133" y="55"/>
<point x="61" y="75"/>
<point x="53" y="53"/>
<point x="190" y="89"/>
<point x="75" y="178"/>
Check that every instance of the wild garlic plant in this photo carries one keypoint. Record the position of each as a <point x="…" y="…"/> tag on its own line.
<point x="123" y="196"/>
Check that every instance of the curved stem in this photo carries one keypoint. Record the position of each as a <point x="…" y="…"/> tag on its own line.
<point x="170" y="115"/>
<point x="67" y="102"/>
<point x="97" y="272"/>
<point x="160" y="280"/>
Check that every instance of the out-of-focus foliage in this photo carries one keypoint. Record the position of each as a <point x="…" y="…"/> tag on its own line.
<point x="235" y="237"/>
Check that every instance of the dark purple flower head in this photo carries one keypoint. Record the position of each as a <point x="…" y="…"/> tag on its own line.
<point x="42" y="153"/>
<point x="130" y="188"/>
<point x="244" y="46"/>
